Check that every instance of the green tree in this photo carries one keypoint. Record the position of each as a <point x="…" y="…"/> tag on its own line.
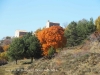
<point x="51" y="51"/>
<point x="71" y="34"/>
<point x="85" y="28"/>
<point x="32" y="46"/>
<point x="16" y="49"/>
<point x="77" y="32"/>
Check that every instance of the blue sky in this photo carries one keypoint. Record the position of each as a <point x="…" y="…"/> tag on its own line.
<point x="33" y="14"/>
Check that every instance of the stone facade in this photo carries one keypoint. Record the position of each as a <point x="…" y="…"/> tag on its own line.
<point x="19" y="33"/>
<point x="49" y="24"/>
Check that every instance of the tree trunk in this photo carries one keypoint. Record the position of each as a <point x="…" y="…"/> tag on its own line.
<point x="31" y="59"/>
<point x="16" y="61"/>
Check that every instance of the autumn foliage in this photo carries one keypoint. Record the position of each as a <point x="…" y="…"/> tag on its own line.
<point x="5" y="47"/>
<point x="53" y="36"/>
<point x="97" y="23"/>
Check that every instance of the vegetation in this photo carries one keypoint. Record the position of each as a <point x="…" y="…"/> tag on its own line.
<point x="67" y="62"/>
<point x="53" y="36"/>
<point x="5" y="47"/>
<point x="38" y="30"/>
<point x="6" y="41"/>
<point x="51" y="52"/>
<point x="32" y="46"/>
<point x="1" y="49"/>
<point x="76" y="32"/>
<point x="27" y="46"/>
<point x="16" y="49"/>
<point x="74" y="60"/>
<point x="3" y="56"/>
<point x="97" y="23"/>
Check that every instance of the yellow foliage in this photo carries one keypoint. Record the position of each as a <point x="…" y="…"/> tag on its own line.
<point x="5" y="47"/>
<point x="3" y="55"/>
<point x="97" y="23"/>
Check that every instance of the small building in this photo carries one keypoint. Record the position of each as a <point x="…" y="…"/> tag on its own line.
<point x="49" y="24"/>
<point x="19" y="33"/>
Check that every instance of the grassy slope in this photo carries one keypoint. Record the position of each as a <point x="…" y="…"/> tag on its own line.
<point x="81" y="60"/>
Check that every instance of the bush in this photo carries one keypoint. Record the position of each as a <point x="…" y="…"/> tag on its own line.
<point x="51" y="52"/>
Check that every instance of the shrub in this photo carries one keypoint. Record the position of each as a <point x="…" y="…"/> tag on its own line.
<point x="51" y="52"/>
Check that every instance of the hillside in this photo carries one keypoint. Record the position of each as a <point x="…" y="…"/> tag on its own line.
<point x="79" y="60"/>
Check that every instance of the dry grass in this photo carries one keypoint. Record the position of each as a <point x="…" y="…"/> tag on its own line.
<point x="72" y="61"/>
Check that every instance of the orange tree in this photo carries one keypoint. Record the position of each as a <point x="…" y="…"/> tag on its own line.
<point x="53" y="36"/>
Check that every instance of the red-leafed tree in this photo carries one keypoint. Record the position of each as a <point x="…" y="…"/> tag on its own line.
<point x="53" y="36"/>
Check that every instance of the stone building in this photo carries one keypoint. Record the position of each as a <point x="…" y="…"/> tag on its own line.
<point x="19" y="33"/>
<point x="49" y="24"/>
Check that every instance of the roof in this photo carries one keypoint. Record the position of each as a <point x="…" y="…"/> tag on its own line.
<point x="53" y="22"/>
<point x="21" y="30"/>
